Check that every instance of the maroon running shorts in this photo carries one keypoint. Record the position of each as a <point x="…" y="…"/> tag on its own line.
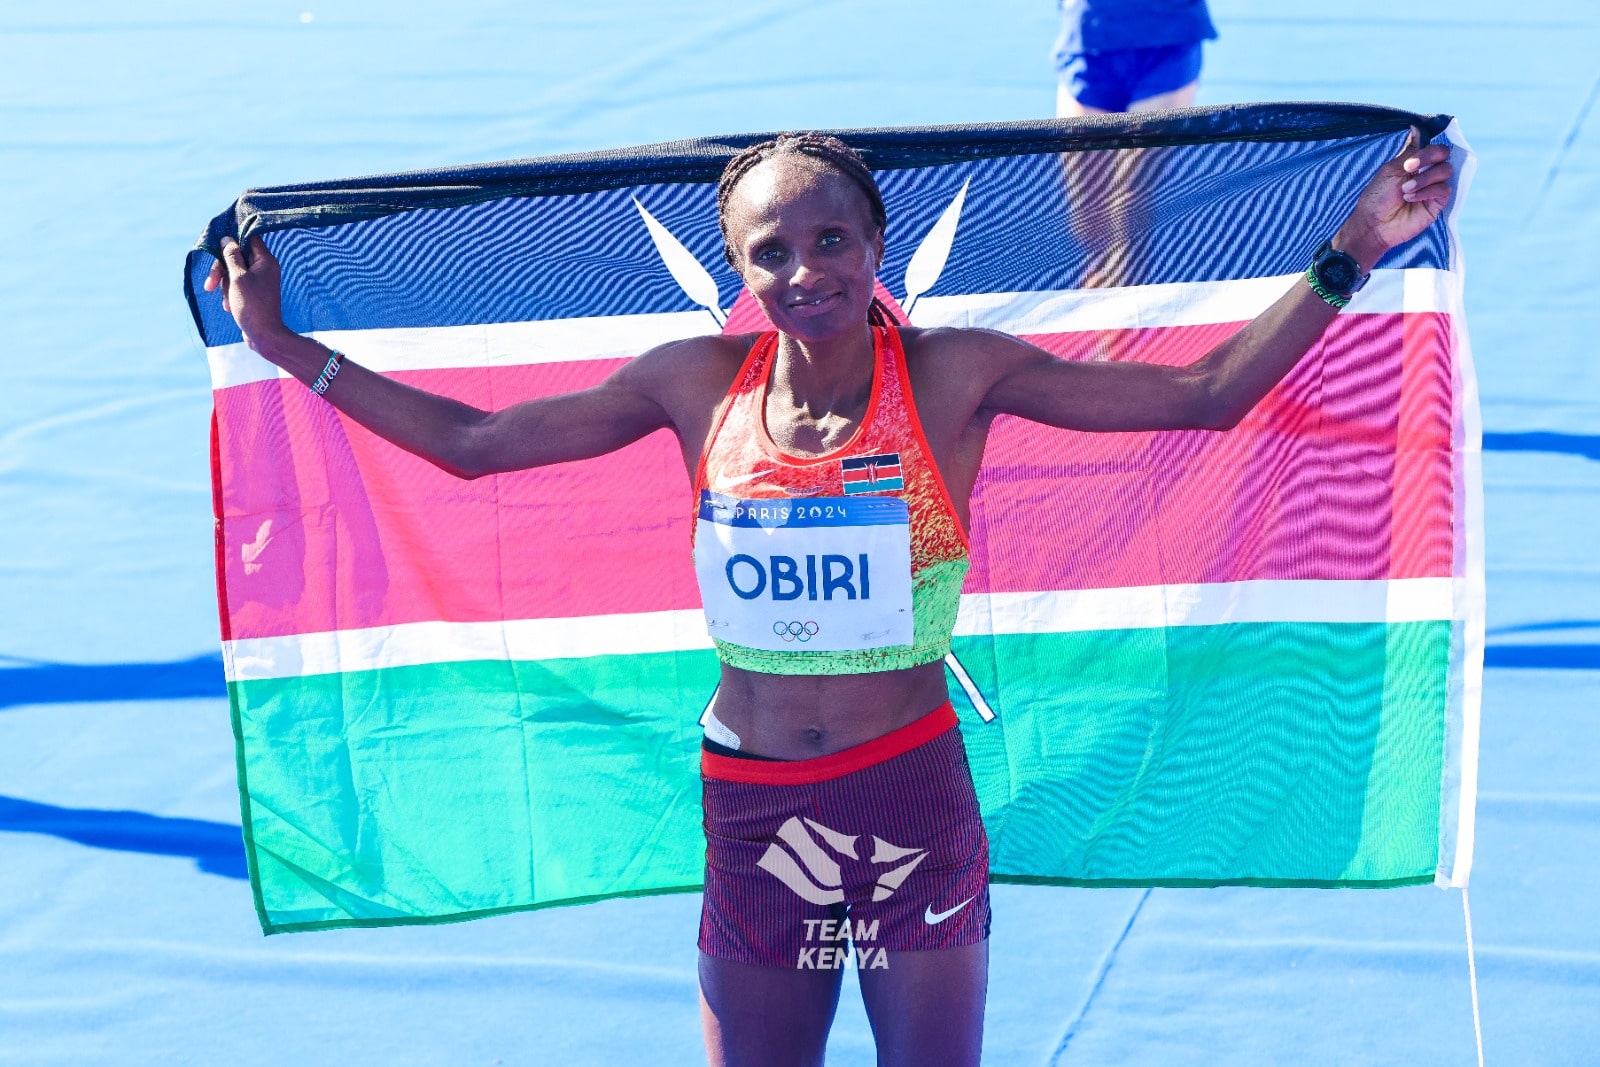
<point x="819" y="862"/>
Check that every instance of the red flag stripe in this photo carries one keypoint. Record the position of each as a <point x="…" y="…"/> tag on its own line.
<point x="1301" y="490"/>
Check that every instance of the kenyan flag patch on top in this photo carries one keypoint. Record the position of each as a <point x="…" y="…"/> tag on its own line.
<point x="872" y="474"/>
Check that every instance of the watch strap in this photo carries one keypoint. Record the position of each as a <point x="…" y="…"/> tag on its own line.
<point x="1336" y="299"/>
<point x="1344" y="264"/>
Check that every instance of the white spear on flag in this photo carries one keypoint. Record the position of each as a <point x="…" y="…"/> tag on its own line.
<point x="922" y="273"/>
<point x="695" y="281"/>
<point x="928" y="261"/>
<point x="968" y="686"/>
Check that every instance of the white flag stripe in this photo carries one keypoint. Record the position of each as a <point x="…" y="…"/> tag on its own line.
<point x="1415" y="289"/>
<point x="414" y="643"/>
<point x="1458" y="815"/>
<point x="1211" y="604"/>
<point x="496" y="344"/>
<point x="1143" y="607"/>
<point x="508" y="344"/>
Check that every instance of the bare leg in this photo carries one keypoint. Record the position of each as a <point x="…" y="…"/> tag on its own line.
<point x="1110" y="196"/>
<point x="1180" y="97"/>
<point x="766" y="1016"/>
<point x="1067" y="106"/>
<point x="926" y="1008"/>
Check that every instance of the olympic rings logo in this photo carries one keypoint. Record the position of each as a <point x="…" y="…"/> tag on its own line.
<point x="796" y="631"/>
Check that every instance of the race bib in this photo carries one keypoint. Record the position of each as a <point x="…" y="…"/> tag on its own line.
<point x="831" y="574"/>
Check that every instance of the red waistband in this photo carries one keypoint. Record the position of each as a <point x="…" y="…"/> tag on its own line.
<point x="834" y="764"/>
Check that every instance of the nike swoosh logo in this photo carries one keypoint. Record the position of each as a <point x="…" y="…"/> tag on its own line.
<point x="729" y="483"/>
<point x="933" y="918"/>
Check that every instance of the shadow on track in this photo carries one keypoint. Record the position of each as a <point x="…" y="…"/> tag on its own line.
<point x="1573" y="444"/>
<point x="1572" y="657"/>
<point x="216" y="848"/>
<point x="73" y="683"/>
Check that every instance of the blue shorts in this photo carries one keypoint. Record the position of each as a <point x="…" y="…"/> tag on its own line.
<point x="1111" y="81"/>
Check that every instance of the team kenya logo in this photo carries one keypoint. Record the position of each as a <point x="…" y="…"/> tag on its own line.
<point x="819" y="881"/>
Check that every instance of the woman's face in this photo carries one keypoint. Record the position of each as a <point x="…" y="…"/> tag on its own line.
<point x="807" y="246"/>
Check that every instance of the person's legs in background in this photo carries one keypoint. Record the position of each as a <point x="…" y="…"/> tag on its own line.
<point x="1135" y="79"/>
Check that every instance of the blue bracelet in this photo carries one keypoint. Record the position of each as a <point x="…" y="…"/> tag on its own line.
<point x="329" y="373"/>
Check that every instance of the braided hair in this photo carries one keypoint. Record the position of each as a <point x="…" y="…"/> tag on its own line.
<point x="825" y="149"/>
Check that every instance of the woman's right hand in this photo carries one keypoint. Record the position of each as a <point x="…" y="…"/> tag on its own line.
<point x="249" y="280"/>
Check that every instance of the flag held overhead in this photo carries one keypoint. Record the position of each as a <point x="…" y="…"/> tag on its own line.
<point x="1185" y="658"/>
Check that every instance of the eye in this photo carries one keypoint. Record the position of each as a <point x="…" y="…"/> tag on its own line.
<point x="829" y="240"/>
<point x="769" y="255"/>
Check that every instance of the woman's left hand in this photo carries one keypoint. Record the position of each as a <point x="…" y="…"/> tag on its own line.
<point x="1400" y="201"/>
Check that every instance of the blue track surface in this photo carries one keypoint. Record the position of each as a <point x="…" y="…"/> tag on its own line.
<point x="126" y="930"/>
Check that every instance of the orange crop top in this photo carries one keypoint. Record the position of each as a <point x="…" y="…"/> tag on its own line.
<point x="844" y="563"/>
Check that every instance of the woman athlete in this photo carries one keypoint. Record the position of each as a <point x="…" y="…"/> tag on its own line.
<point x="838" y="803"/>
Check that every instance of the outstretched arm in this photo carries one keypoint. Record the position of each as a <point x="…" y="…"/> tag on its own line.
<point x="464" y="440"/>
<point x="1402" y="199"/>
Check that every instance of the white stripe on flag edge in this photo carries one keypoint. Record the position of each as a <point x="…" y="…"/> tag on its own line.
<point x="1413" y="289"/>
<point x="1141" y="607"/>
<point x="1459" y="787"/>
<point x="506" y="344"/>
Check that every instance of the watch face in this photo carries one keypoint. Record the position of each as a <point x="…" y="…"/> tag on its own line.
<point x="1337" y="271"/>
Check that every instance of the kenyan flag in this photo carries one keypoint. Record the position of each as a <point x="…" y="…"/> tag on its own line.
<point x="1183" y="658"/>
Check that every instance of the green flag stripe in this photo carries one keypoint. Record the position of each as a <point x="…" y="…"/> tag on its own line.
<point x="1264" y="753"/>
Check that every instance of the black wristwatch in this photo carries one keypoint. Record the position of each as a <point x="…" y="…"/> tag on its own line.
<point x="1335" y="273"/>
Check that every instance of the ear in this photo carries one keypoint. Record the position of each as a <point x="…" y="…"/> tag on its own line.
<point x="877" y="252"/>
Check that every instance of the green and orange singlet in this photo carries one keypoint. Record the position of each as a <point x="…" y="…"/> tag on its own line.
<point x="844" y="563"/>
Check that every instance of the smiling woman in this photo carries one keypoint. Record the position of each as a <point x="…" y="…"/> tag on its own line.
<point x="837" y="793"/>
<point x="751" y="221"/>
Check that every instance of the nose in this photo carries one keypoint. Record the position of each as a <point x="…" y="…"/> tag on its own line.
<point x="805" y="273"/>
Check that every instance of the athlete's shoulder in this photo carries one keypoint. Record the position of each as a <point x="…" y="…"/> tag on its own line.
<point x="966" y="354"/>
<point x="706" y="349"/>
<point x="691" y="373"/>
<point x="955" y="342"/>
<point x="953" y="370"/>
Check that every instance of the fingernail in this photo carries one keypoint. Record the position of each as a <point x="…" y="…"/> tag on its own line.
<point x="1408" y="186"/>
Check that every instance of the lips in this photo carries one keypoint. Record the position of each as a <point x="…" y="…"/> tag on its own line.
<point x="817" y="305"/>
